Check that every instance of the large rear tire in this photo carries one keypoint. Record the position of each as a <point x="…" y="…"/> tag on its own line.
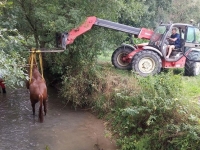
<point x="117" y="58"/>
<point x="192" y="68"/>
<point x="146" y="63"/>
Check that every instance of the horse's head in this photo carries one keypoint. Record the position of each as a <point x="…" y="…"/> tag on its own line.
<point x="32" y="65"/>
<point x="33" y="70"/>
<point x="35" y="66"/>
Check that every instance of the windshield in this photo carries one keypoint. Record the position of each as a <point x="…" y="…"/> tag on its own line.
<point x="157" y="36"/>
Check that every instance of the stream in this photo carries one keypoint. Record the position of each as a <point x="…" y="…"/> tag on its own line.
<point x="63" y="129"/>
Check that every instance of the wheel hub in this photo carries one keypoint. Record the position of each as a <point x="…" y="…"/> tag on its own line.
<point x="121" y="59"/>
<point x="146" y="65"/>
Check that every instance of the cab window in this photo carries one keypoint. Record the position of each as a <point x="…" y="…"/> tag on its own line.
<point x="190" y="35"/>
<point x="183" y="34"/>
<point x="197" y="35"/>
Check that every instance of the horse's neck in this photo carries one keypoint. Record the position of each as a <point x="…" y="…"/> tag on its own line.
<point x="36" y="74"/>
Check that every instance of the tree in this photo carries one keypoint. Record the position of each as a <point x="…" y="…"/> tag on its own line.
<point x="184" y="13"/>
<point x="11" y="48"/>
<point x="38" y="21"/>
<point x="154" y="12"/>
<point x="12" y="63"/>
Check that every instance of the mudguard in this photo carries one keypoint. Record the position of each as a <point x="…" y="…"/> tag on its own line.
<point x="128" y="45"/>
<point x="191" y="52"/>
<point x="153" y="49"/>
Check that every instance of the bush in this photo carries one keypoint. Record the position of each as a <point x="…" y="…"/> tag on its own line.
<point x="79" y="86"/>
<point x="12" y="56"/>
<point x="155" y="117"/>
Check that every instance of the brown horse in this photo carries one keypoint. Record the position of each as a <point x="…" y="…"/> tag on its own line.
<point x="38" y="91"/>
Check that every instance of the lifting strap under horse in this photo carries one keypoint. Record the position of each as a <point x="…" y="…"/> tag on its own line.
<point x="32" y="58"/>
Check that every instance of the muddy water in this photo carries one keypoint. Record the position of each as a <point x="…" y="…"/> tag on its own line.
<point x="63" y="127"/>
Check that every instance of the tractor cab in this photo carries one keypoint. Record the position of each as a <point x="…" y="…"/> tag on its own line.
<point x="151" y="58"/>
<point x="189" y="38"/>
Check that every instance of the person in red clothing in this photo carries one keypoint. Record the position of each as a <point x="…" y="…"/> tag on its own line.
<point x="2" y="85"/>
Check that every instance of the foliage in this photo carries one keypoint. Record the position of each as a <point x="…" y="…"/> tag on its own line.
<point x="155" y="118"/>
<point x="79" y="87"/>
<point x="113" y="84"/>
<point x="155" y="11"/>
<point x="12" y="63"/>
<point x="184" y="13"/>
<point x="149" y="113"/>
<point x="81" y="56"/>
<point x="12" y="68"/>
<point x="34" y="21"/>
<point x="38" y="21"/>
<point x="11" y="40"/>
<point x="132" y="17"/>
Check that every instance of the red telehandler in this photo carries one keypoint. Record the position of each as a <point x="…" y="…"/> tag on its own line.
<point x="147" y="59"/>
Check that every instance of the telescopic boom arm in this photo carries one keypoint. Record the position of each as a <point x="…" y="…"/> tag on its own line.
<point x="68" y="38"/>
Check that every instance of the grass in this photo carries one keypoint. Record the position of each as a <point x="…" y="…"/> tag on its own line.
<point x="191" y="86"/>
<point x="105" y="57"/>
<point x="191" y="93"/>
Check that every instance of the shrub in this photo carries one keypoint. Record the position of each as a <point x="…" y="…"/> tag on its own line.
<point x="155" y="117"/>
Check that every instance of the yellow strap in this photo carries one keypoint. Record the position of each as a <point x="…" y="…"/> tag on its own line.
<point x="31" y="66"/>
<point x="41" y="65"/>
<point x="32" y="58"/>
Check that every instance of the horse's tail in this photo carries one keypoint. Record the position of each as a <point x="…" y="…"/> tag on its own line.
<point x="40" y="108"/>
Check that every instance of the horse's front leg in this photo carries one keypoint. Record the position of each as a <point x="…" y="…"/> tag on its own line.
<point x="33" y="108"/>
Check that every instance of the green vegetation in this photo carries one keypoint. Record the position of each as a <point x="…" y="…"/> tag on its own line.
<point x="157" y="118"/>
<point x="47" y="148"/>
<point x="160" y="112"/>
<point x="37" y="22"/>
<point x="157" y="112"/>
<point x="12" y="58"/>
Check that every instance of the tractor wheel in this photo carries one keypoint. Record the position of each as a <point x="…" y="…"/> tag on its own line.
<point x="192" y="68"/>
<point x="117" y="58"/>
<point x="146" y="63"/>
